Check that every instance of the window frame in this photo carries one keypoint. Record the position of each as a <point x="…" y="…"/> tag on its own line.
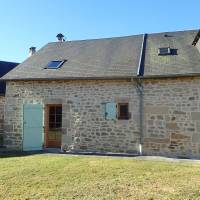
<point x="168" y="52"/>
<point x="55" y="115"/>
<point x="119" y="117"/>
<point x="59" y="65"/>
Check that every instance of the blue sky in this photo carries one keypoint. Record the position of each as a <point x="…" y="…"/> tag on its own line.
<point x="26" y="23"/>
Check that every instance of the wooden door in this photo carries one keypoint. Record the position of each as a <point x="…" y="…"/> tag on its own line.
<point x="33" y="136"/>
<point x="53" y="125"/>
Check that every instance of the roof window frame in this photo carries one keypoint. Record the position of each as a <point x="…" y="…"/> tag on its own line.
<point x="164" y="53"/>
<point x="57" y="67"/>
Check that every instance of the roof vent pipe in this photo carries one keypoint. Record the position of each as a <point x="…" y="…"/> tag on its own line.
<point x="32" y="50"/>
<point x="60" y="37"/>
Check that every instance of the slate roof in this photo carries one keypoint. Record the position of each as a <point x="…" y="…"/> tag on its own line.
<point x="187" y="60"/>
<point x="113" y="58"/>
<point x="5" y="67"/>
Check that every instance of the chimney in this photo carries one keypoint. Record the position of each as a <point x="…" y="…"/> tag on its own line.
<point x="60" y="37"/>
<point x="32" y="50"/>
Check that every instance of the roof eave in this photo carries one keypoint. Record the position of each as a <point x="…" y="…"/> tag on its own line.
<point x="70" y="78"/>
<point x="159" y="76"/>
<point x="105" y="78"/>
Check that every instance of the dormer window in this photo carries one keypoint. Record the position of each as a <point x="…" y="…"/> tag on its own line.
<point x="164" y="51"/>
<point x="55" y="64"/>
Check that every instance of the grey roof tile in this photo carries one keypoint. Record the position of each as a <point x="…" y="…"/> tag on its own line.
<point x="187" y="60"/>
<point x="116" y="57"/>
<point x="113" y="57"/>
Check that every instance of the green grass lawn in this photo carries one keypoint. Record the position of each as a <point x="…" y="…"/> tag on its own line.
<point x="83" y="177"/>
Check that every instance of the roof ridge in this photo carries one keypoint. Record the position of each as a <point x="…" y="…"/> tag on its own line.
<point x="123" y="36"/>
<point x="98" y="39"/>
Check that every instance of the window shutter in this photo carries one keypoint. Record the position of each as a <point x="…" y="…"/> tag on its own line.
<point x="111" y="111"/>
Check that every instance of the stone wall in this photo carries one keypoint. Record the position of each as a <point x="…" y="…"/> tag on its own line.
<point x="172" y="117"/>
<point x="2" y="103"/>
<point x="84" y="124"/>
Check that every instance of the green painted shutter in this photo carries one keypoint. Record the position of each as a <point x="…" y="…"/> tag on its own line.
<point x="33" y="136"/>
<point x="111" y="110"/>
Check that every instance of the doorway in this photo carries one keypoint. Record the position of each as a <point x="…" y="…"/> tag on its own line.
<point x="53" y="125"/>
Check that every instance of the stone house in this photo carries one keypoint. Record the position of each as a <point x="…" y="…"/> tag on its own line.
<point x="5" y="67"/>
<point x="136" y="94"/>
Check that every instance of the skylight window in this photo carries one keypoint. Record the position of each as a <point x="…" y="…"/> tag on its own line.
<point x="164" y="51"/>
<point x="55" y="64"/>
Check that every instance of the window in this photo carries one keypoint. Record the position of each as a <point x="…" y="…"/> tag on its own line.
<point x="55" y="64"/>
<point x="123" y="111"/>
<point x="116" y="111"/>
<point x="164" y="51"/>
<point x="55" y="117"/>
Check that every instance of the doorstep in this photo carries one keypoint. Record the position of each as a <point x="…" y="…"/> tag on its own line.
<point x="52" y="150"/>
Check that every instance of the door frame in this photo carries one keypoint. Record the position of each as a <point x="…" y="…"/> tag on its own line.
<point x="46" y="123"/>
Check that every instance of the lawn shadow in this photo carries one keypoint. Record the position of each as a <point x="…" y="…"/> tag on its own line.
<point x="19" y="154"/>
<point x="4" y="153"/>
